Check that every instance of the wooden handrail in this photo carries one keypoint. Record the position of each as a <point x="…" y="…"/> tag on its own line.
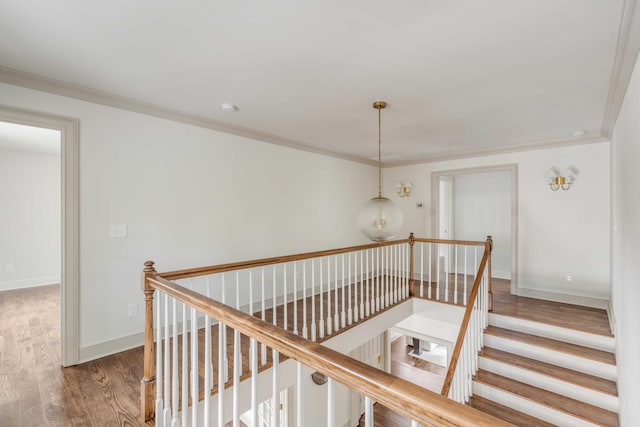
<point x="213" y="269"/>
<point x="221" y="268"/>
<point x="465" y="321"/>
<point x="404" y="397"/>
<point x="451" y="242"/>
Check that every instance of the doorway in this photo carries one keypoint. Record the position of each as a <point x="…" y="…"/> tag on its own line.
<point x="470" y="204"/>
<point x="69" y="212"/>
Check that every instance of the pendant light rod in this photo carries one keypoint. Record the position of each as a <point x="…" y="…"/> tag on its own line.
<point x="379" y="105"/>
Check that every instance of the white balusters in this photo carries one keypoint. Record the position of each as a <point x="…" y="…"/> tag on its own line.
<point x="253" y="356"/>
<point x="284" y="285"/>
<point x="237" y="360"/>
<point x="429" y="267"/>
<point x="275" y="414"/>
<point x="222" y="371"/>
<point x="185" y="368"/>
<point x="208" y="371"/>
<point x="464" y="295"/>
<point x="263" y="348"/>
<point x="455" y="271"/>
<point x="313" y="299"/>
<point x="167" y="384"/>
<point x="274" y="299"/>
<point x="299" y="395"/>
<point x="368" y="412"/>
<point x="368" y="283"/>
<point x="422" y="271"/>
<point x="174" y="364"/>
<point x="305" y="330"/>
<point x="321" y="323"/>
<point x="349" y="278"/>
<point x="295" y="298"/>
<point x="363" y="277"/>
<point x="195" y="392"/>
<point x="336" y="318"/>
<point x="159" y="401"/>
<point x="331" y="411"/>
<point x="329" y="313"/>
<point x="343" y="313"/>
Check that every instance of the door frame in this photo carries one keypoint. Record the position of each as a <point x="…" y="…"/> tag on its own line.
<point x="512" y="168"/>
<point x="70" y="209"/>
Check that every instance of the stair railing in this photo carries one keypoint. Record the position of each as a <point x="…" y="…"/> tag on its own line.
<point x="464" y="360"/>
<point x="256" y="302"/>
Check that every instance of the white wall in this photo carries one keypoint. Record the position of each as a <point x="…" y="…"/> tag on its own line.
<point x="482" y="207"/>
<point x="29" y="218"/>
<point x="625" y="291"/>
<point x="559" y="233"/>
<point x="191" y="197"/>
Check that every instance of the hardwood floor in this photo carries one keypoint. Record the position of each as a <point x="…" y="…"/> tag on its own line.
<point x="593" y="320"/>
<point x="36" y="391"/>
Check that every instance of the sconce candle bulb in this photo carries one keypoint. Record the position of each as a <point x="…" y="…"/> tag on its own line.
<point x="557" y="180"/>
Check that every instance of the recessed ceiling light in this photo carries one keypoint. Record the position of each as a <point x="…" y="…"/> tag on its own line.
<point x="579" y="132"/>
<point x="229" y="108"/>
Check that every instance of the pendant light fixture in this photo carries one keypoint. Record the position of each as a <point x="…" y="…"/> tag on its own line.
<point x="379" y="219"/>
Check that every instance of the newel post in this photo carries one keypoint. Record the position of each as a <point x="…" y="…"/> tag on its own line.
<point x="412" y="241"/>
<point x="148" y="382"/>
<point x="489" y="246"/>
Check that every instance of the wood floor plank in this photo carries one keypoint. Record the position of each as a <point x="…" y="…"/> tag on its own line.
<point x="562" y="403"/>
<point x="567" y="348"/>
<point x="503" y="412"/>
<point x="568" y="375"/>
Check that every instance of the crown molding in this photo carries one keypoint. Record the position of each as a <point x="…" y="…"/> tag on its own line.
<point x="58" y="87"/>
<point x="543" y="145"/>
<point x="627" y="50"/>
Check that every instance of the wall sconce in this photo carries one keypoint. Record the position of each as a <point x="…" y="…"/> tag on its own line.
<point x="556" y="180"/>
<point x="404" y="188"/>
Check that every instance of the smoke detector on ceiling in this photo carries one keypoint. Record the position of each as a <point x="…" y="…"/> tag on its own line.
<point x="229" y="108"/>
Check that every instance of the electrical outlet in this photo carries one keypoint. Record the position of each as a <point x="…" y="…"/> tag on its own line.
<point x="569" y="278"/>
<point x="8" y="268"/>
<point x="132" y="310"/>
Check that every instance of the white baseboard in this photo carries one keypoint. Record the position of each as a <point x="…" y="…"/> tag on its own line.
<point x="29" y="283"/>
<point x="565" y="298"/>
<point x="107" y="348"/>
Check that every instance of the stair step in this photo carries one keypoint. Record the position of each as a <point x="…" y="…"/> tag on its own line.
<point x="574" y="377"/>
<point x="555" y="345"/>
<point x="586" y="339"/>
<point x="505" y="413"/>
<point x="583" y="411"/>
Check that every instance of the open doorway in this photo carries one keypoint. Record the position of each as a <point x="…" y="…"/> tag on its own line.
<point x="470" y="204"/>
<point x="67" y="258"/>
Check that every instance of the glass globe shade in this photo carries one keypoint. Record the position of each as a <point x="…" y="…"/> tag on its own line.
<point x="379" y="219"/>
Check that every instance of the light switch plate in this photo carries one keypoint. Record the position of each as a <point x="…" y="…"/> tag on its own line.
<point x="118" y="230"/>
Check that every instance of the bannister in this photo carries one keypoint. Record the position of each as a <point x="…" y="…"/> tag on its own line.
<point x="406" y="398"/>
<point x="375" y="277"/>
<point x="475" y="303"/>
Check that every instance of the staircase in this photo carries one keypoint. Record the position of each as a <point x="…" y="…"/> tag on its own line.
<point x="536" y="374"/>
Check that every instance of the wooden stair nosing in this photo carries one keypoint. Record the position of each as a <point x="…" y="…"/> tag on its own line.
<point x="505" y="413"/>
<point x="555" y="345"/>
<point x="552" y="400"/>
<point x="581" y="379"/>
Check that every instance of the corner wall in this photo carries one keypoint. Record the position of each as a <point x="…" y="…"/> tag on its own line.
<point x="625" y="242"/>
<point x="190" y="197"/>
<point x="559" y="232"/>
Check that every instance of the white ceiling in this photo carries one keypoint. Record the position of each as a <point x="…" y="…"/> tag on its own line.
<point x="17" y="137"/>
<point x="459" y="76"/>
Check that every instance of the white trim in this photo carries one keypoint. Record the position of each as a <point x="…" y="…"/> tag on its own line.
<point x="513" y="169"/>
<point x="70" y="189"/>
<point x="540" y="145"/>
<point x="57" y="87"/>
<point x="107" y="348"/>
<point x="627" y="50"/>
<point x="561" y="297"/>
<point x="29" y="283"/>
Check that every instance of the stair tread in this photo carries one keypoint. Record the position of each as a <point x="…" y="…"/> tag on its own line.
<point x="559" y="402"/>
<point x="505" y="413"/>
<point x="568" y="375"/>
<point x="564" y="347"/>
